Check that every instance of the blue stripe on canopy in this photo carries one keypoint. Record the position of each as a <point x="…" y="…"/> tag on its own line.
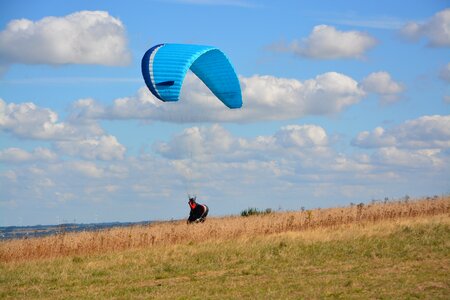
<point x="169" y="63"/>
<point x="145" y="67"/>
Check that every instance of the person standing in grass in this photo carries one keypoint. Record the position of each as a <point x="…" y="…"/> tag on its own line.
<point x="198" y="211"/>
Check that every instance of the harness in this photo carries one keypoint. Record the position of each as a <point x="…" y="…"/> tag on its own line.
<point x="198" y="212"/>
<point x="205" y="208"/>
<point x="192" y="205"/>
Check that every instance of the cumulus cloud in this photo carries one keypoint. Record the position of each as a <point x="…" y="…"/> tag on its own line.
<point x="17" y="155"/>
<point x="294" y="156"/>
<point x="382" y="84"/>
<point x="376" y="138"/>
<point x="104" y="147"/>
<point x="86" y="168"/>
<point x="436" y="30"/>
<point x="394" y="157"/>
<point x="326" y="94"/>
<point x="28" y="120"/>
<point x="297" y="161"/>
<point x="301" y="136"/>
<point x="264" y="97"/>
<point x="197" y="142"/>
<point x="85" y="37"/>
<point x="81" y="137"/>
<point x="215" y="142"/>
<point x="326" y="42"/>
<point x="426" y="132"/>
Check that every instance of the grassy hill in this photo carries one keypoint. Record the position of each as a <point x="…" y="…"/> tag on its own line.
<point x="383" y="250"/>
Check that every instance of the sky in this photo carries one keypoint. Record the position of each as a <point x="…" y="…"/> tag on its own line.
<point x="343" y="102"/>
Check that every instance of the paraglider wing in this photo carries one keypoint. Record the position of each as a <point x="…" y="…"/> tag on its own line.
<point x="164" y="68"/>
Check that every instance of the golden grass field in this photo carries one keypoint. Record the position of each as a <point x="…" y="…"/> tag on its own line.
<point x="216" y="229"/>
<point x="392" y="250"/>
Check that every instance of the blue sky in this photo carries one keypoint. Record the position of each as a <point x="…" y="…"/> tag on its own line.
<point x="344" y="101"/>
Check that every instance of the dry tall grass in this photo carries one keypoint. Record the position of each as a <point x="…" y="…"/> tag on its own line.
<point x="226" y="228"/>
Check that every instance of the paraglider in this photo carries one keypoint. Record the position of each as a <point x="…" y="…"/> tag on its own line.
<point x="198" y="211"/>
<point x="164" y="68"/>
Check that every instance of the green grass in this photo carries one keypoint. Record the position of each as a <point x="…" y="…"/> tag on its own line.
<point x="409" y="262"/>
<point x="254" y="212"/>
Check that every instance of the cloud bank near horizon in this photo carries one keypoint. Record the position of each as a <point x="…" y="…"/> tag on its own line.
<point x="296" y="159"/>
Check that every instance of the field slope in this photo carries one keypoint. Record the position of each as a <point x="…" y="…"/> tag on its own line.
<point x="386" y="251"/>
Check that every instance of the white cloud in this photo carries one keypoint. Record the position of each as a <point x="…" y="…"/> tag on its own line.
<point x="301" y="136"/>
<point x="436" y="29"/>
<point x="264" y="98"/>
<point x="326" y="42"/>
<point x="85" y="37"/>
<point x="86" y="168"/>
<point x="376" y="138"/>
<point x="382" y="84"/>
<point x="426" y="132"/>
<point x="85" y="109"/>
<point x="104" y="147"/>
<point x="216" y="143"/>
<point x="12" y="155"/>
<point x="27" y="120"/>
<point x="197" y="142"/>
<point x="80" y="137"/>
<point x="326" y="94"/>
<point x="416" y="159"/>
<point x="445" y="73"/>
<point x="295" y="154"/>
<point x="231" y="172"/>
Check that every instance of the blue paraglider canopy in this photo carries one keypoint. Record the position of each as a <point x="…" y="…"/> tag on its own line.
<point x="164" y="68"/>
